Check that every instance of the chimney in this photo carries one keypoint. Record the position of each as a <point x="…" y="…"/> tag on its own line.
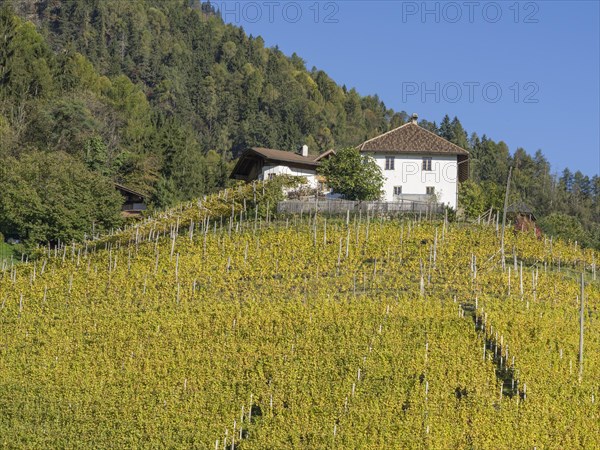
<point x="414" y="118"/>
<point x="304" y="151"/>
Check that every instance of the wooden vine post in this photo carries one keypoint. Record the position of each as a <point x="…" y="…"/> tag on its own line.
<point x="582" y="302"/>
<point x="504" y="215"/>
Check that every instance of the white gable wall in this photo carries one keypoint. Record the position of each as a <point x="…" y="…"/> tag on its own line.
<point x="310" y="175"/>
<point x="408" y="173"/>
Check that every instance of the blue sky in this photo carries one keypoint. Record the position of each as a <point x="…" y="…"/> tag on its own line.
<point x="527" y="73"/>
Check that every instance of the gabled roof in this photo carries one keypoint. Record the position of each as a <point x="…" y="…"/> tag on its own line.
<point x="521" y="208"/>
<point x="411" y="138"/>
<point x="325" y="154"/>
<point x="283" y="156"/>
<point x="254" y="158"/>
<point x="127" y="190"/>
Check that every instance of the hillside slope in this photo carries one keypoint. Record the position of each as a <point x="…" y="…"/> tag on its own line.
<point x="300" y="334"/>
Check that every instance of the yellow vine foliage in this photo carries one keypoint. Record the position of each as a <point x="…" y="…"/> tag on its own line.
<point x="192" y="332"/>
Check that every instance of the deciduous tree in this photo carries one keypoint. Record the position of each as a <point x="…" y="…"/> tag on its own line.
<point x="355" y="176"/>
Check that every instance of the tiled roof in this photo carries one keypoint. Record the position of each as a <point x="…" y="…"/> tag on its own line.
<point x="411" y="138"/>
<point x="283" y="156"/>
<point x="252" y="160"/>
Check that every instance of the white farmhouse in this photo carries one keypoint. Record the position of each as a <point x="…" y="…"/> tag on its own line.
<point x="418" y="165"/>
<point x="265" y="163"/>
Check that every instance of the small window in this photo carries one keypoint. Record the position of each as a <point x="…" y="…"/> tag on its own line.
<point x="427" y="164"/>
<point x="397" y="190"/>
<point x="271" y="176"/>
<point x="430" y="190"/>
<point x="389" y="163"/>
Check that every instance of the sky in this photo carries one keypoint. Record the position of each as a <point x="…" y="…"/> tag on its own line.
<point x="526" y="73"/>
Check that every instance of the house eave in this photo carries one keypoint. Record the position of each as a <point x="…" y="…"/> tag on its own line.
<point x="308" y="165"/>
<point x="414" y="152"/>
<point x="253" y="156"/>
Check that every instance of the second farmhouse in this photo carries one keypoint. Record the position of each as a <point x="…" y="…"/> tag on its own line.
<point x="418" y="164"/>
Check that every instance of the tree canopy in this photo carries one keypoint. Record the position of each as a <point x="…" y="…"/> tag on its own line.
<point x="48" y="197"/>
<point x="162" y="95"/>
<point x="354" y="175"/>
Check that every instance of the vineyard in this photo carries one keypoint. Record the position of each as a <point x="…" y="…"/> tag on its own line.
<point x="217" y="326"/>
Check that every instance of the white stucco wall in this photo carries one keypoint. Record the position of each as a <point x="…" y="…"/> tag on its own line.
<point x="408" y="173"/>
<point x="310" y="175"/>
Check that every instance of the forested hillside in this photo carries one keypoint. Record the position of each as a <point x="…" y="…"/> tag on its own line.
<point x="567" y="204"/>
<point x="183" y="93"/>
<point x="161" y="95"/>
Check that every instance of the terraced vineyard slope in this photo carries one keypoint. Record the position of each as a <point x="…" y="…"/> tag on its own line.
<point x="190" y="332"/>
